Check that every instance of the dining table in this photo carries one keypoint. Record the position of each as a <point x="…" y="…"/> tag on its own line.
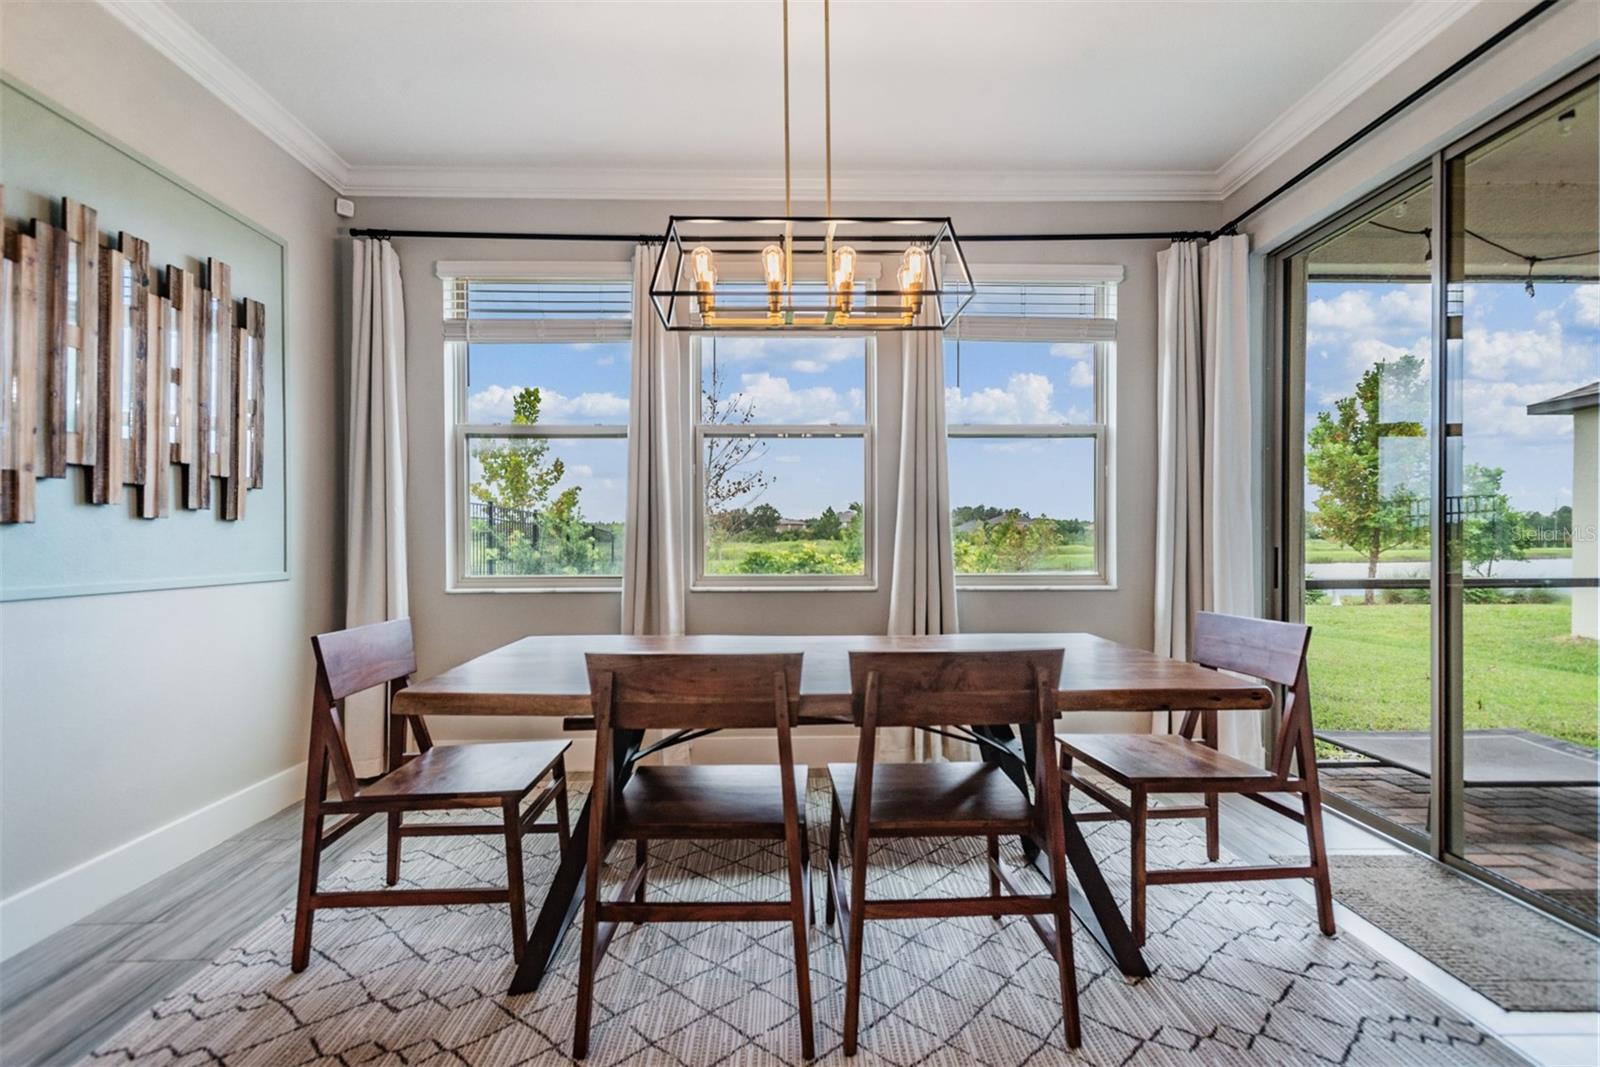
<point x="546" y="676"/>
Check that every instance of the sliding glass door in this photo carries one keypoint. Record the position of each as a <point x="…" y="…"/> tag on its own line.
<point x="1439" y="518"/>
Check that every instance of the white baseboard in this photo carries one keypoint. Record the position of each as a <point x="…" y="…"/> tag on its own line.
<point x="35" y="913"/>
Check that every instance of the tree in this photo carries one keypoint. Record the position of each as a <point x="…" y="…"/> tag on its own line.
<point x="730" y="471"/>
<point x="1013" y="545"/>
<point x="1490" y="530"/>
<point x="518" y="474"/>
<point x="825" y="527"/>
<point x="764" y="521"/>
<point x="518" y="477"/>
<point x="1345" y="460"/>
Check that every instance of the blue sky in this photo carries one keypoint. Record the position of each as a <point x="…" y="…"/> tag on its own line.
<point x="819" y="380"/>
<point x="1518" y="350"/>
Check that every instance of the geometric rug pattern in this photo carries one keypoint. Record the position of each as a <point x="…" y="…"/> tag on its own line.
<point x="1241" y="976"/>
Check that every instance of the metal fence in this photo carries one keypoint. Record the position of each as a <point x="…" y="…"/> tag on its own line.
<point x="491" y="529"/>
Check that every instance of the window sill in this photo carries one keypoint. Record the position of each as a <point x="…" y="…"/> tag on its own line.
<point x="612" y="587"/>
<point x="1035" y="587"/>
<point x="782" y="587"/>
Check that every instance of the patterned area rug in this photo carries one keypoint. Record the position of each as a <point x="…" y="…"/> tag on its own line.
<point x="1241" y="977"/>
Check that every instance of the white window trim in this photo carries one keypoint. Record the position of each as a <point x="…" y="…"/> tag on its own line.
<point x="1099" y="331"/>
<point x="459" y="432"/>
<point x="867" y="581"/>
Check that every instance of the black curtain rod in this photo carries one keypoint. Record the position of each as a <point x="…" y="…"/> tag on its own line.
<point x="1229" y="227"/>
<point x="655" y="238"/>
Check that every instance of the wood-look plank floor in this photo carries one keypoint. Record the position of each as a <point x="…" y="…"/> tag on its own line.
<point x="61" y="997"/>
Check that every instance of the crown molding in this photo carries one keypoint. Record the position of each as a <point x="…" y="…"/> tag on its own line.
<point x="163" y="29"/>
<point x="168" y="33"/>
<point x="1403" y="37"/>
<point x="678" y="184"/>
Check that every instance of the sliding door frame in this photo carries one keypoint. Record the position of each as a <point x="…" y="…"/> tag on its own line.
<point x="1445" y="839"/>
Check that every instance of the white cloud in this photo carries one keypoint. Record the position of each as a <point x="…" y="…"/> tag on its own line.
<point x="808" y="366"/>
<point x="1360" y="312"/>
<point x="1500" y="409"/>
<point x="775" y="400"/>
<point x="494" y="403"/>
<point x="1025" y="398"/>
<point x="1081" y="376"/>
<point x="580" y="470"/>
<point x="1081" y="350"/>
<point x="1500" y="354"/>
<point x="1586" y="302"/>
<point x="789" y="352"/>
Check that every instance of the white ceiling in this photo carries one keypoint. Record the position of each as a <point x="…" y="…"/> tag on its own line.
<point x="996" y="100"/>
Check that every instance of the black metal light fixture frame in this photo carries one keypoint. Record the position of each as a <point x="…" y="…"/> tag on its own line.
<point x="806" y="301"/>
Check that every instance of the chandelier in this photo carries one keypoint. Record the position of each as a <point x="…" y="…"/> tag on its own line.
<point x="751" y="274"/>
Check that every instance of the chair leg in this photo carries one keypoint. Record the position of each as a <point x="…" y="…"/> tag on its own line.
<point x="587" y="964"/>
<point x="1136" y="842"/>
<point x="310" y="861"/>
<point x="563" y="821"/>
<point x="641" y="858"/>
<point x="834" y="820"/>
<point x="805" y="872"/>
<point x="852" y="962"/>
<point x="799" y="897"/>
<point x="1318" y="847"/>
<point x="1066" y="965"/>
<point x="994" y="862"/>
<point x="392" y="875"/>
<point x="515" y="891"/>
<point x="1213" y="837"/>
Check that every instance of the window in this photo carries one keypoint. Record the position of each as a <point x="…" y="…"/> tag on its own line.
<point x="540" y="360"/>
<point x="1028" y="395"/>
<point x="783" y="447"/>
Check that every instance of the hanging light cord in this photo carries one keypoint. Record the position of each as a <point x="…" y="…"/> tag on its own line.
<point x="1531" y="261"/>
<point x="788" y="206"/>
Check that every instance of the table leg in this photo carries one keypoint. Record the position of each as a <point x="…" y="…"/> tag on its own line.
<point x="561" y="900"/>
<point x="1092" y="903"/>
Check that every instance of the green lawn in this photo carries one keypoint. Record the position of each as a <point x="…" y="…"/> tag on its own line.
<point x="1320" y="551"/>
<point x="725" y="557"/>
<point x="1369" y="669"/>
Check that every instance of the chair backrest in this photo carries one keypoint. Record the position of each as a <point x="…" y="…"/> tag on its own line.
<point x="954" y="688"/>
<point x="349" y="662"/>
<point x="355" y="660"/>
<point x="1272" y="651"/>
<point x="685" y="691"/>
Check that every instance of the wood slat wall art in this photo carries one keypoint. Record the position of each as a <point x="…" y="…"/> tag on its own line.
<point x="153" y="496"/>
<point x="256" y="324"/>
<point x="219" y="278"/>
<point x="136" y="256"/>
<point x="238" y="479"/>
<point x="51" y="248"/>
<point x="110" y="459"/>
<point x="83" y="330"/>
<point x="100" y="369"/>
<point x="184" y="291"/>
<point x="22" y="387"/>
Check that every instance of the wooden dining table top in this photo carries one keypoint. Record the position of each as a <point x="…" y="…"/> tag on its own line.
<point x="546" y="675"/>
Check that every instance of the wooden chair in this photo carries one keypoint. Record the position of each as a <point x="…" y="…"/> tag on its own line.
<point x="1146" y="764"/>
<point x="493" y="776"/>
<point x="693" y="692"/>
<point x="907" y="800"/>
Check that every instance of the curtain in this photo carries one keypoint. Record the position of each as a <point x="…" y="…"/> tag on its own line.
<point x="653" y="578"/>
<point x="653" y="559"/>
<point x="1205" y="495"/>
<point x="1229" y="582"/>
<point x="1178" y="412"/>
<point x="375" y="507"/>
<point x="922" y="582"/>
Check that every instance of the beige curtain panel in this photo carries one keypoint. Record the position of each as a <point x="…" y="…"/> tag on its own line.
<point x="375" y="510"/>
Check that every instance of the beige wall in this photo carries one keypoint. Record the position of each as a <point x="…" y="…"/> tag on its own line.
<point x="1555" y="44"/>
<point x="1586" y="520"/>
<point x="454" y="626"/>
<point x="120" y="714"/>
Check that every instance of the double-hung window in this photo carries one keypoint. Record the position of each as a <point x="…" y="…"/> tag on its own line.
<point x="782" y="460"/>
<point x="1029" y="392"/>
<point x="539" y="357"/>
